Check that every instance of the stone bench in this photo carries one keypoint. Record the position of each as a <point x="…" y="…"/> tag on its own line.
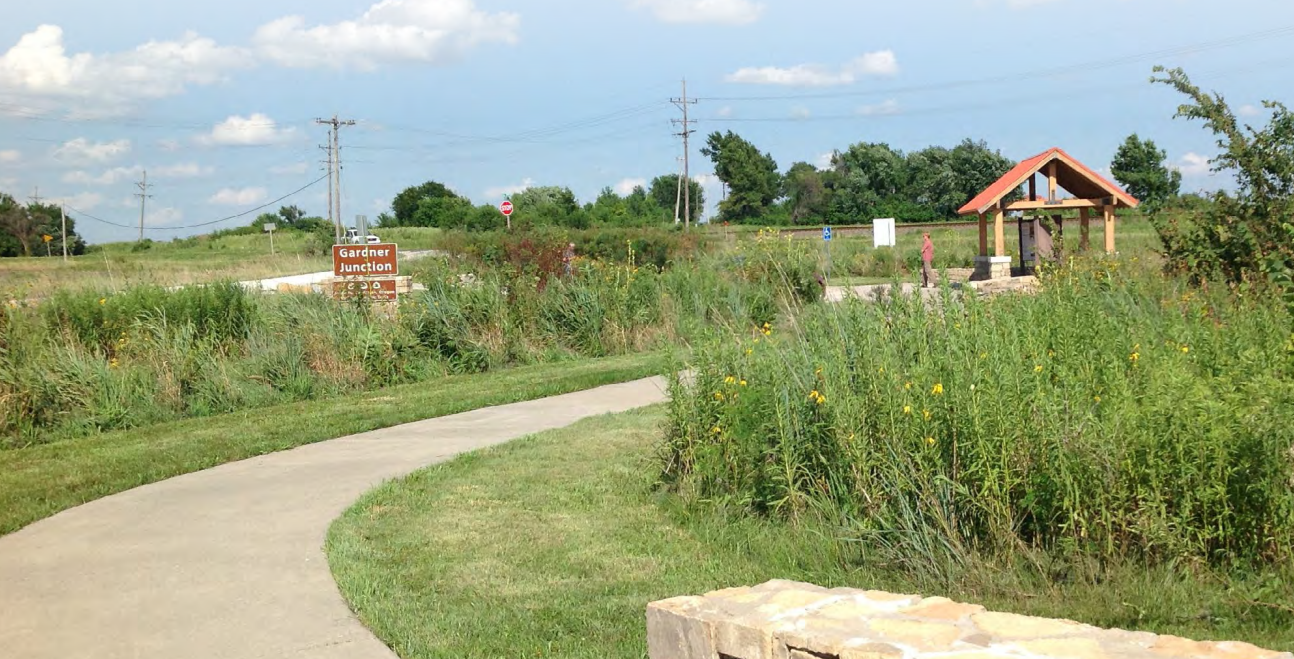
<point x="789" y="620"/>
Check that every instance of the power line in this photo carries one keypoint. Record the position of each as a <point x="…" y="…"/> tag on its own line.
<point x="1017" y="77"/>
<point x="334" y="167"/>
<point x="204" y="224"/>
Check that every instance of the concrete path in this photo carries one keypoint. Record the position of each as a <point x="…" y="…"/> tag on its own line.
<point x="228" y="563"/>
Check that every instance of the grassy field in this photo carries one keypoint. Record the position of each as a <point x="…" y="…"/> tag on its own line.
<point x="118" y="266"/>
<point x="552" y="546"/>
<point x="39" y="481"/>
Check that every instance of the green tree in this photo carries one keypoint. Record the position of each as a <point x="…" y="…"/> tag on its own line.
<point x="17" y="222"/>
<point x="1139" y="166"/>
<point x="290" y="217"/>
<point x="405" y="204"/>
<point x="48" y="221"/>
<point x="548" y="206"/>
<point x="753" y="180"/>
<point x="665" y="190"/>
<point x="807" y="195"/>
<point x="442" y="212"/>
<point x="1248" y="234"/>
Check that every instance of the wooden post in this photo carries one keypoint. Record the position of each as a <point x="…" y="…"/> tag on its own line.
<point x="1051" y="181"/>
<point x="1084" y="217"/>
<point x="983" y="234"/>
<point x="1109" y="229"/>
<point x="1033" y="188"/>
<point x="999" y="232"/>
<point x="1058" y="240"/>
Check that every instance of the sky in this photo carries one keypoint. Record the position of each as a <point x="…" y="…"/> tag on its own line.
<point x="219" y="101"/>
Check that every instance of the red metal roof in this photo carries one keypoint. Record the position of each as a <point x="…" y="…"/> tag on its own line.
<point x="1071" y="175"/>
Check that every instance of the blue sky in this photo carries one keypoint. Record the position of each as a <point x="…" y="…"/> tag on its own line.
<point x="217" y="100"/>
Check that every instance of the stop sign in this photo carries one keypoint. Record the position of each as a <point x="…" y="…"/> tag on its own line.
<point x="506" y="208"/>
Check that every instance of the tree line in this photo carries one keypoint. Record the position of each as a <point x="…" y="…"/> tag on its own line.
<point x="35" y="229"/>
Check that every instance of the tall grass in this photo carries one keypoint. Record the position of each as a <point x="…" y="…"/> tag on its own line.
<point x="88" y="362"/>
<point x="1112" y="415"/>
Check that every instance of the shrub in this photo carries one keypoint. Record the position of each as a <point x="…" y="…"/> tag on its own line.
<point x="1107" y="416"/>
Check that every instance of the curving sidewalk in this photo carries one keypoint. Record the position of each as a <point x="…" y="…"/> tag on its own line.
<point x="229" y="562"/>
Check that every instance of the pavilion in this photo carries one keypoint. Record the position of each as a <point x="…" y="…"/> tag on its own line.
<point x="1090" y="191"/>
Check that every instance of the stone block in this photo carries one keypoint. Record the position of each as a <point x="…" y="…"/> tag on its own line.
<point x="676" y="630"/>
<point x="1066" y="648"/>
<point x="1012" y="626"/>
<point x="919" y="635"/>
<point x="942" y="608"/>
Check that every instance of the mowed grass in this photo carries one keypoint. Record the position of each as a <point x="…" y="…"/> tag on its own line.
<point x="553" y="545"/>
<point x="116" y="266"/>
<point x="42" y="480"/>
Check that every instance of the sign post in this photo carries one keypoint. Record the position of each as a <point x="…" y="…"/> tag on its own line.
<point x="269" y="228"/>
<point x="506" y="208"/>
<point x="367" y="272"/>
<point x="826" y="243"/>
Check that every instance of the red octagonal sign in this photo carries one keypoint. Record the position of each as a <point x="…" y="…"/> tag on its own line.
<point x="506" y="208"/>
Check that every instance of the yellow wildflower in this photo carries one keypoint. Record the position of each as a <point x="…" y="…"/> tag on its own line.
<point x="907" y="386"/>
<point x="1186" y="350"/>
<point x="983" y="355"/>
<point x="743" y="383"/>
<point x="926" y="414"/>
<point x="1097" y="399"/>
<point x="930" y="441"/>
<point x="1134" y="357"/>
<point x="730" y="380"/>
<point x="907" y="409"/>
<point x="718" y="395"/>
<point x="938" y="390"/>
<point x="1037" y="369"/>
<point x="716" y="430"/>
<point x="103" y="301"/>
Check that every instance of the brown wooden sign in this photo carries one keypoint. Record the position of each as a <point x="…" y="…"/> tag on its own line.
<point x="365" y="260"/>
<point x="376" y="290"/>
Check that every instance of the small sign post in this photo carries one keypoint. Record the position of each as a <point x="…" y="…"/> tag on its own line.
<point x="826" y="243"/>
<point x="367" y="272"/>
<point x="506" y="208"/>
<point x="269" y="228"/>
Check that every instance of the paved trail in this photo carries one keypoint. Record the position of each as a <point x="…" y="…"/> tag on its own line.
<point x="228" y="563"/>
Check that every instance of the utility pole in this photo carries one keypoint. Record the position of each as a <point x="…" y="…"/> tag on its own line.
<point x="334" y="204"/>
<point x="678" y="196"/>
<point x="143" y="201"/>
<point x="35" y="197"/>
<point x="62" y="211"/>
<point x="332" y="219"/>
<point x="687" y="131"/>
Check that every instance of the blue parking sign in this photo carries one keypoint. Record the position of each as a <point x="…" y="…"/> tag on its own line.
<point x="826" y="233"/>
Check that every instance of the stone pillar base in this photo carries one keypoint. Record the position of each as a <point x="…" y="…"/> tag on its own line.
<point x="992" y="267"/>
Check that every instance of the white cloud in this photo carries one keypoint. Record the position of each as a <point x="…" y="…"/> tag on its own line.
<point x="119" y="174"/>
<point x="725" y="111"/>
<point x="627" y="186"/>
<point x="879" y="63"/>
<point x="10" y="157"/>
<point x="824" y="161"/>
<point x="84" y="201"/>
<point x="255" y="130"/>
<point x="163" y="217"/>
<point x="243" y="197"/>
<point x="887" y="107"/>
<point x="182" y="170"/>
<point x="1249" y="110"/>
<point x="284" y="170"/>
<point x="723" y="12"/>
<point x="502" y="191"/>
<point x="169" y="145"/>
<point x="800" y="112"/>
<point x="8" y="183"/>
<point x="81" y="151"/>
<point x="1194" y="164"/>
<point x="427" y="31"/>
<point x="38" y="68"/>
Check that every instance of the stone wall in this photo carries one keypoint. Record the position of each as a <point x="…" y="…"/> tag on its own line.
<point x="788" y="620"/>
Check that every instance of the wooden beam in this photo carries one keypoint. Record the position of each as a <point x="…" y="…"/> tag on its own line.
<point x="1043" y="204"/>
<point x="999" y="233"/>
<point x="1084" y="217"/>
<point x="1033" y="188"/>
<point x="983" y="234"/>
<point x="1051" y="181"/>
<point x="1109" y="229"/>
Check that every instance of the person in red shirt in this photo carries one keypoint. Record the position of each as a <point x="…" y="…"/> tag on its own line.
<point x="927" y="261"/>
